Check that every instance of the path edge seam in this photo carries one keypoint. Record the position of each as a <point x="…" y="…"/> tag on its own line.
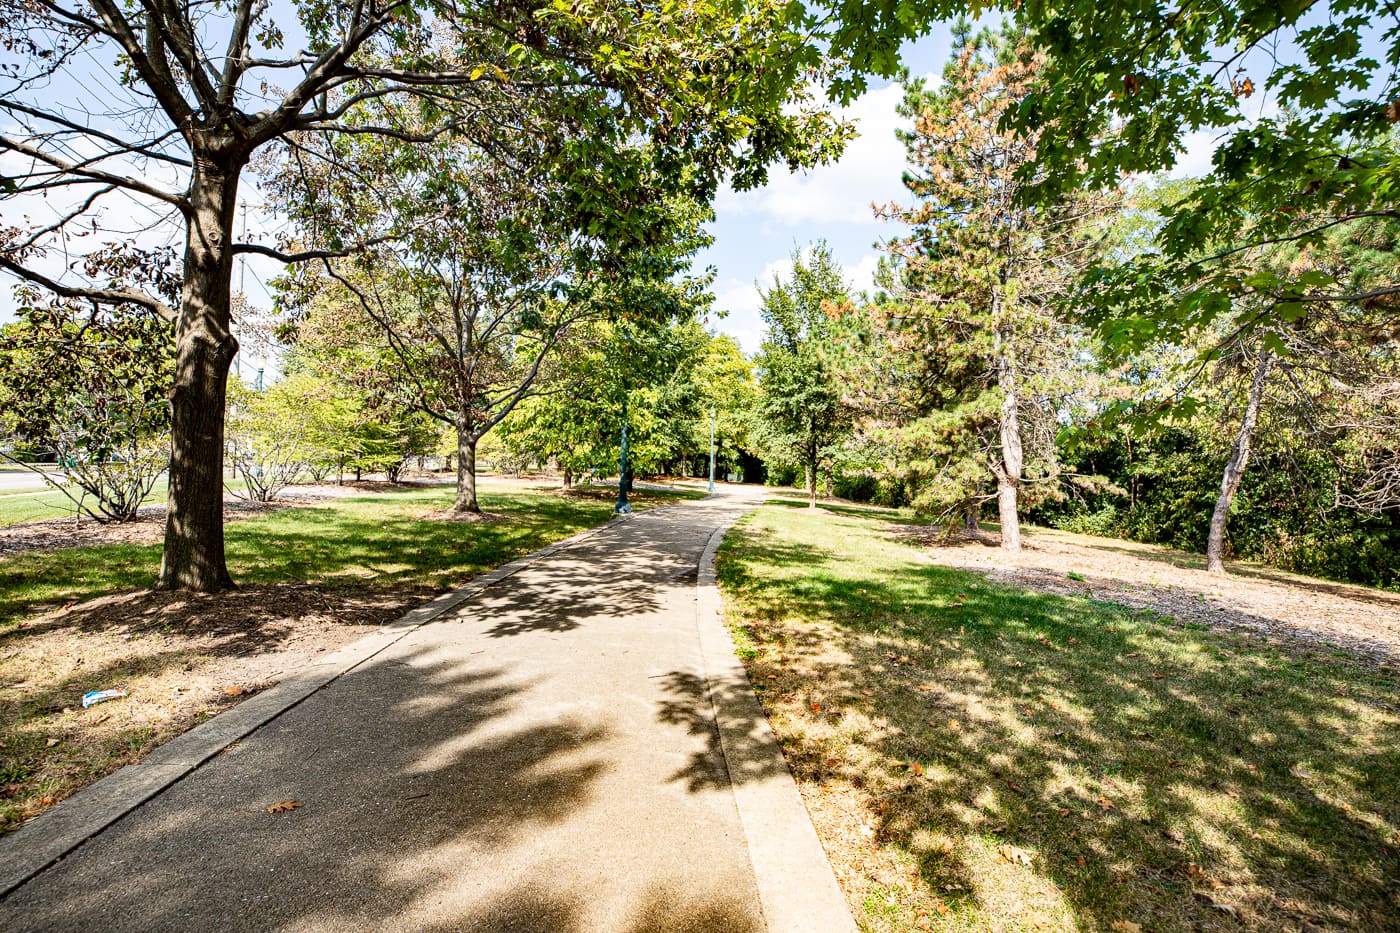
<point x="797" y="889"/>
<point x="51" y="836"/>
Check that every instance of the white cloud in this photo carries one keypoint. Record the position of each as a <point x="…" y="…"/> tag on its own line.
<point x="862" y="274"/>
<point x="1199" y="149"/>
<point x="869" y="171"/>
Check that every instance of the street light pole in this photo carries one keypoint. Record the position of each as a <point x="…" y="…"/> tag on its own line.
<point x="712" y="451"/>
<point x="623" y="507"/>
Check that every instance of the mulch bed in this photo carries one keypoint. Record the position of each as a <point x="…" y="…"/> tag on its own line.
<point x="1257" y="600"/>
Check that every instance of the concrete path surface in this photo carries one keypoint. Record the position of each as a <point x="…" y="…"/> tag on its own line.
<point x="544" y="757"/>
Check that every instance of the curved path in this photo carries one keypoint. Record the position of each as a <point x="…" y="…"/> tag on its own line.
<point x="545" y="756"/>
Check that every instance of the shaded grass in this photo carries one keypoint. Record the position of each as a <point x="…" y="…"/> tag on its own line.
<point x="980" y="757"/>
<point x="310" y="579"/>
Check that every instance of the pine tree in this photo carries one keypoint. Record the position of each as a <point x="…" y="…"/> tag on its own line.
<point x="977" y="310"/>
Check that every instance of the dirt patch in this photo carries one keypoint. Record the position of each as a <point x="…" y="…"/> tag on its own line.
<point x="451" y="515"/>
<point x="51" y="534"/>
<point x="180" y="658"/>
<point x="1257" y="600"/>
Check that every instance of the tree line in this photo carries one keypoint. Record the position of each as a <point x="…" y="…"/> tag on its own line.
<point x="487" y="207"/>
<point x="1103" y="357"/>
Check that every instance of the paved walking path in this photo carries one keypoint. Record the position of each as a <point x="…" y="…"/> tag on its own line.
<point x="544" y="757"/>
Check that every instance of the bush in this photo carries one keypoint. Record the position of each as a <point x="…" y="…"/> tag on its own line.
<point x="1103" y="522"/>
<point x="783" y="476"/>
<point x="857" y="487"/>
<point x="91" y="387"/>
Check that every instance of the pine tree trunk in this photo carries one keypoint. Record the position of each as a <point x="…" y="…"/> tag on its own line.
<point x="970" y="524"/>
<point x="193" y="558"/>
<point x="1234" y="469"/>
<point x="1009" y="476"/>
<point x="466" y="472"/>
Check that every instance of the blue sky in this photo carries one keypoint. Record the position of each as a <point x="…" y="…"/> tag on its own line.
<point x="756" y="231"/>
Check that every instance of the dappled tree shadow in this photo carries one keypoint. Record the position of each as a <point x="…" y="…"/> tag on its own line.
<point x="747" y="755"/>
<point x="660" y="555"/>
<point x="416" y="795"/>
<point x="1002" y="695"/>
<point x="628" y="582"/>
<point x="252" y="617"/>
<point x="434" y="796"/>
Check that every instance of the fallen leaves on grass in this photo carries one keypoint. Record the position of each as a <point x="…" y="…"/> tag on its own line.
<point x="1014" y="855"/>
<point x="285" y="806"/>
<point x="1126" y="926"/>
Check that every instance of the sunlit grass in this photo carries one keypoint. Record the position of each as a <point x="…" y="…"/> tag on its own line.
<point x="38" y="504"/>
<point x="979" y="757"/>
<point x="383" y="540"/>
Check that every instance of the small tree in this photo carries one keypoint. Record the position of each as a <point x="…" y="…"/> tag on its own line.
<point x="802" y="413"/>
<point x="642" y="373"/>
<point x="270" y="436"/>
<point x="89" y="385"/>
<point x="480" y="278"/>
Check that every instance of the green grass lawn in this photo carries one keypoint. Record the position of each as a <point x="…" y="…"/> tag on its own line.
<point x="381" y="540"/>
<point x="36" y="505"/>
<point x="979" y="757"/>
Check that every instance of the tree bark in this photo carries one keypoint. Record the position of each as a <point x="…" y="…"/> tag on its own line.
<point x="466" y="472"/>
<point x="1009" y="476"/>
<point x="568" y="478"/>
<point x="1234" y="469"/>
<point x="970" y="524"/>
<point x="193" y="557"/>
<point x="811" y="481"/>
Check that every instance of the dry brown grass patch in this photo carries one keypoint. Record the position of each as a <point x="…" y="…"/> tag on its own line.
<point x="181" y="658"/>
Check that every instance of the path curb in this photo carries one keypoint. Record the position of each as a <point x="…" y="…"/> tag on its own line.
<point x="39" y="843"/>
<point x="797" y="889"/>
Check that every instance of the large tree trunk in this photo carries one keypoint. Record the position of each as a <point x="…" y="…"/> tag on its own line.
<point x="466" y="472"/>
<point x="1234" y="470"/>
<point x="193" y="558"/>
<point x="1009" y="476"/>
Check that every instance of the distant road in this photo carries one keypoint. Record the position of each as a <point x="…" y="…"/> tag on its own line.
<point x="16" y="480"/>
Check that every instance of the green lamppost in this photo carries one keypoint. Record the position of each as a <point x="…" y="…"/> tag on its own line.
<point x="712" y="451"/>
<point x="623" y="507"/>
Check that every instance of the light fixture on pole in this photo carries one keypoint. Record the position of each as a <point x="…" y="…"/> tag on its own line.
<point x="712" y="451"/>
<point x="623" y="507"/>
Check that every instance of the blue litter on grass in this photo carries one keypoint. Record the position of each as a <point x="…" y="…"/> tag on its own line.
<point x="101" y="696"/>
